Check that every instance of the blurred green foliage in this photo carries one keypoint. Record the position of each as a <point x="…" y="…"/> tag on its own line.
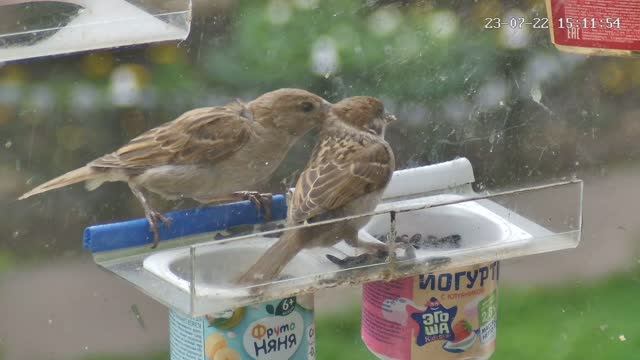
<point x="408" y="61"/>
<point x="575" y="321"/>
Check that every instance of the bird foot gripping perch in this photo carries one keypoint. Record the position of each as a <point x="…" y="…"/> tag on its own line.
<point x="154" y="218"/>
<point x="262" y="201"/>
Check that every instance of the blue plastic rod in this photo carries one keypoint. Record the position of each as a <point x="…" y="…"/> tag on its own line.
<point x="132" y="233"/>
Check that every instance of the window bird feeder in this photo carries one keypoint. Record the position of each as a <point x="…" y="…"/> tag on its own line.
<point x="437" y="280"/>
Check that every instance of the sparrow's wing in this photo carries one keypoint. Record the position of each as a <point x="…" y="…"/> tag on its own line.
<point x="341" y="169"/>
<point x="205" y="135"/>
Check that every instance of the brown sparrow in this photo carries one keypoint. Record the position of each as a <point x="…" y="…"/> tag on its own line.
<point x="206" y="154"/>
<point x="346" y="175"/>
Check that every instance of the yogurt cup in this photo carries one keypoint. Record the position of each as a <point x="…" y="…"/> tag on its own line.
<point x="276" y="330"/>
<point x="440" y="315"/>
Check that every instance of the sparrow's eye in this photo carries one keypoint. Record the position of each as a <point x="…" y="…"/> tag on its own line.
<point x="307" y="106"/>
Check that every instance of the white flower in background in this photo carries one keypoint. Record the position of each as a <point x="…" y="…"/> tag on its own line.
<point x="278" y="12"/>
<point x="492" y="93"/>
<point x="442" y="24"/>
<point x="84" y="97"/>
<point x="306" y="4"/>
<point x="42" y="98"/>
<point x="542" y="67"/>
<point x="324" y="56"/>
<point x="457" y="108"/>
<point x="515" y="34"/>
<point x="385" y="21"/>
<point x="125" y="89"/>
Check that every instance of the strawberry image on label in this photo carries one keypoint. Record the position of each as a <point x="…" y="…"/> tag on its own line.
<point x="461" y="330"/>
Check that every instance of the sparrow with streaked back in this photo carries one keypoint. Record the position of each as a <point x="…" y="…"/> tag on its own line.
<point x="349" y="169"/>
<point x="208" y="154"/>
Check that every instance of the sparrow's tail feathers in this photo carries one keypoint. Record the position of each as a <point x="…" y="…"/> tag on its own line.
<point x="271" y="263"/>
<point x="75" y="176"/>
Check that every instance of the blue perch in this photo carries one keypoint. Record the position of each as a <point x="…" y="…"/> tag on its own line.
<point x="108" y="237"/>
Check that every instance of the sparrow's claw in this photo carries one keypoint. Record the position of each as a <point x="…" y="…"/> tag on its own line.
<point x="266" y="200"/>
<point x="154" y="218"/>
<point x="262" y="202"/>
<point x="165" y="220"/>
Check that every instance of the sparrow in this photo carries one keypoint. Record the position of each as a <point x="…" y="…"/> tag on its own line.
<point x="210" y="154"/>
<point x="349" y="169"/>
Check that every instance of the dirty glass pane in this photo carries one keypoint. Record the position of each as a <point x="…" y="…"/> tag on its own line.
<point x="532" y="122"/>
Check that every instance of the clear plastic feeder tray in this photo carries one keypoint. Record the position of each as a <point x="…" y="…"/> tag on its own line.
<point x="32" y="28"/>
<point x="196" y="273"/>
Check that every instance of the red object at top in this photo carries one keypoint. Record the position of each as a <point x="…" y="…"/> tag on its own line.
<point x="602" y="24"/>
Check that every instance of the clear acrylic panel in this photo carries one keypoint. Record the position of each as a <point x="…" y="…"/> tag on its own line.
<point x="456" y="232"/>
<point x="33" y="28"/>
<point x="198" y="274"/>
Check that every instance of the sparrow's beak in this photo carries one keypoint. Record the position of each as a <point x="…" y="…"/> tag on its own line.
<point x="389" y="118"/>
